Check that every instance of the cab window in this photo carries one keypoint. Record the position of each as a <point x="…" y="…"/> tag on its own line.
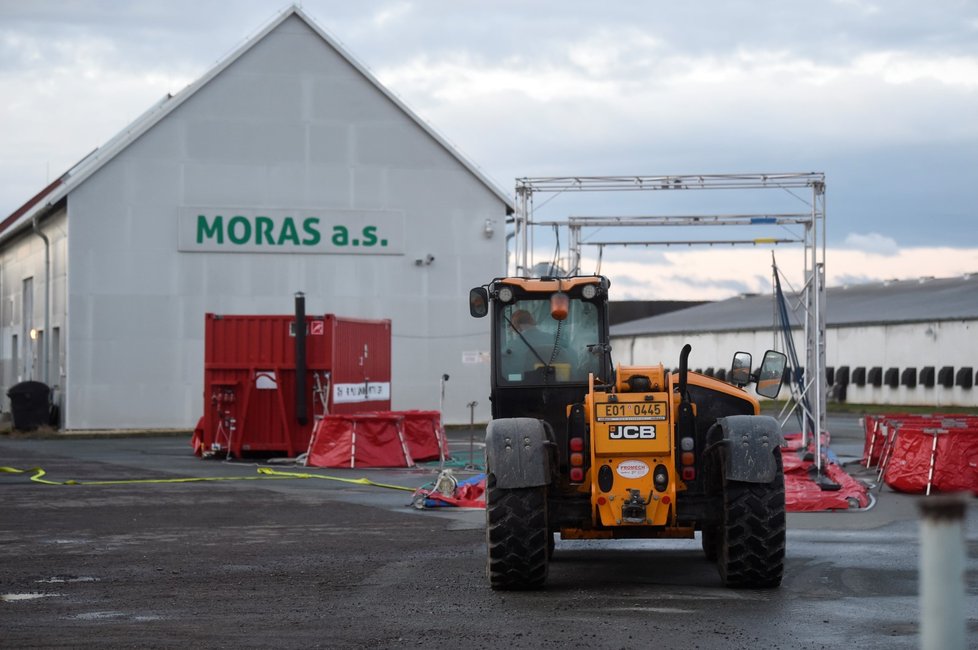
<point x="535" y="348"/>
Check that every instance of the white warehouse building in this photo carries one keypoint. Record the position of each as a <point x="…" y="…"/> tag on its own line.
<point x="286" y="168"/>
<point x="910" y="342"/>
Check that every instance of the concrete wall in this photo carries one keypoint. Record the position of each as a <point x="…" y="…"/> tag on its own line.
<point x="912" y="345"/>
<point x="909" y="345"/>
<point x="709" y="350"/>
<point x="290" y="127"/>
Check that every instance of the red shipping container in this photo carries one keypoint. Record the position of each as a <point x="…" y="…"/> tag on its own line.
<point x="250" y="379"/>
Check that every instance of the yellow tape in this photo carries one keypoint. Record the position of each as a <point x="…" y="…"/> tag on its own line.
<point x="357" y="481"/>
<point x="264" y="473"/>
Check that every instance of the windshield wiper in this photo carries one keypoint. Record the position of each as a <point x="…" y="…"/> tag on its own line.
<point x="527" y="343"/>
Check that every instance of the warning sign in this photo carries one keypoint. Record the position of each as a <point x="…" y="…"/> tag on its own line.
<point x="317" y="328"/>
<point x="474" y="356"/>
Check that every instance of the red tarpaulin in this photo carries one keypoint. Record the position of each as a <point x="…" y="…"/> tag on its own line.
<point x="801" y="491"/>
<point x="361" y="440"/>
<point x="384" y="439"/>
<point x="424" y="434"/>
<point x="924" y="452"/>
<point x="945" y="458"/>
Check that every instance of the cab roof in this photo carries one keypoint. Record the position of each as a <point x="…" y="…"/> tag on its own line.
<point x="550" y="285"/>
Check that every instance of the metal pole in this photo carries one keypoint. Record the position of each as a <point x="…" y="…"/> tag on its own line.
<point x="574" y="248"/>
<point x="818" y="216"/>
<point x="942" y="564"/>
<point x="441" y="399"/>
<point x="46" y="346"/>
<point x="301" y="412"/>
<point x="817" y="372"/>
<point x="472" y="406"/>
<point x="809" y="308"/>
<point x="524" y="242"/>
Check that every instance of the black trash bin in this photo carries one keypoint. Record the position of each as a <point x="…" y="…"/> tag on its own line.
<point x="30" y="405"/>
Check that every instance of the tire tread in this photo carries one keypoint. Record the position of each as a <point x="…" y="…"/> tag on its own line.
<point x="516" y="536"/>
<point x="752" y="547"/>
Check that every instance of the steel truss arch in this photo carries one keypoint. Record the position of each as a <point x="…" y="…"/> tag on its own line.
<point x="813" y="240"/>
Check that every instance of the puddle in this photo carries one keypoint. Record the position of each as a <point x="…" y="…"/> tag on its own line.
<point x="97" y="616"/>
<point x="61" y="579"/>
<point x="112" y="615"/>
<point x="12" y="598"/>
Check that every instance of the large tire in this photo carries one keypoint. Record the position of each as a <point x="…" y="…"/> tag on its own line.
<point x="516" y="536"/>
<point x="752" y="532"/>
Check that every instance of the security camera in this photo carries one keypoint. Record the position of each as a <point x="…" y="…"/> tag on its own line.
<point x="429" y="258"/>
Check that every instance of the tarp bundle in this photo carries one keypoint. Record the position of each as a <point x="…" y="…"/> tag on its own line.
<point x="385" y="439"/>
<point x="468" y="493"/>
<point x="804" y="494"/>
<point x="920" y="453"/>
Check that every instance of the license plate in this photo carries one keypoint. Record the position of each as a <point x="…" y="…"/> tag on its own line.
<point x="631" y="411"/>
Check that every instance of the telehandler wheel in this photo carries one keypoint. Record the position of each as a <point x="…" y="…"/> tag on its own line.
<point x="752" y="532"/>
<point x="516" y="536"/>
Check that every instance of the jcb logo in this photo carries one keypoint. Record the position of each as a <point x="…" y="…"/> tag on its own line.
<point x="632" y="432"/>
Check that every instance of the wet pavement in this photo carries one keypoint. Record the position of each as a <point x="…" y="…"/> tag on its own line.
<point x="272" y="562"/>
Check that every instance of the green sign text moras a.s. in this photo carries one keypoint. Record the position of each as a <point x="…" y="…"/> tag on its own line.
<point x="251" y="230"/>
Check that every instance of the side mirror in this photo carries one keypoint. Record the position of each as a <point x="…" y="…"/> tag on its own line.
<point x="740" y="369"/>
<point x="770" y="376"/>
<point x="478" y="302"/>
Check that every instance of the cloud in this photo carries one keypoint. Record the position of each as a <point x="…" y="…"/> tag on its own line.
<point x="631" y="282"/>
<point x="878" y="95"/>
<point x="849" y="280"/>
<point x="872" y="243"/>
<point x="720" y="273"/>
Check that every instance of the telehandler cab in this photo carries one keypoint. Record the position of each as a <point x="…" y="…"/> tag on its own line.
<point x="580" y="448"/>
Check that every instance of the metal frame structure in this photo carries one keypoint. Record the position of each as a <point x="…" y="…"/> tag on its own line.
<point x="813" y="239"/>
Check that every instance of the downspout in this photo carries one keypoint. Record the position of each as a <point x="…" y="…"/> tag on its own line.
<point x="301" y="411"/>
<point x="47" y="301"/>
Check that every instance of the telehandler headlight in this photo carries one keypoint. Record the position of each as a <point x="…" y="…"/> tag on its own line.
<point x="505" y="294"/>
<point x="589" y="291"/>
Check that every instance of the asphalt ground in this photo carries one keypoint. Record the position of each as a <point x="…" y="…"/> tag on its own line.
<point x="319" y="562"/>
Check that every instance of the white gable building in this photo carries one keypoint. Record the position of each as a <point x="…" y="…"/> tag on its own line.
<point x="286" y="168"/>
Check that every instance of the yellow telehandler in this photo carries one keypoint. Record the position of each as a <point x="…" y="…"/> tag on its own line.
<point x="579" y="448"/>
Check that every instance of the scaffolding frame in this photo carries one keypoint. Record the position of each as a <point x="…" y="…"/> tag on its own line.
<point x="812" y="239"/>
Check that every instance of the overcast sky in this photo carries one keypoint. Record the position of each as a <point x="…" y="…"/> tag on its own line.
<point x="880" y="96"/>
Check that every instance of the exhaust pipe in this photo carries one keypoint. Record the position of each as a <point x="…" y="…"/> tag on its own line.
<point x="684" y="369"/>
<point x="301" y="414"/>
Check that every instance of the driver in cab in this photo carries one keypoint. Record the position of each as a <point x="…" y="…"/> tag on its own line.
<point x="524" y="323"/>
<point x="530" y="349"/>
